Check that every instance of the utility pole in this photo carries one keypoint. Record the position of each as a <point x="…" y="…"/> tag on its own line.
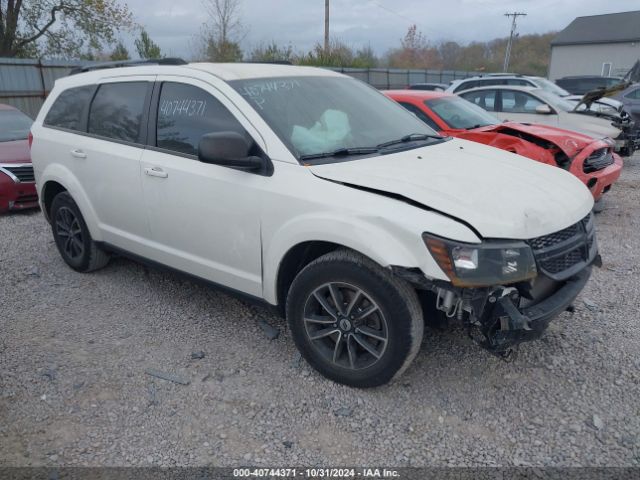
<point x="326" y="27"/>
<point x="507" y="55"/>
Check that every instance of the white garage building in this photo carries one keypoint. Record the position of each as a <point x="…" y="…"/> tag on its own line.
<point x="606" y="45"/>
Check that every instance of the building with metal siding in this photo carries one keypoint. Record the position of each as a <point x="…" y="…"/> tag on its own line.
<point x="607" y="45"/>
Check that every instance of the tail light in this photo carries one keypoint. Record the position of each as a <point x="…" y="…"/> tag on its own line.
<point x="30" y="139"/>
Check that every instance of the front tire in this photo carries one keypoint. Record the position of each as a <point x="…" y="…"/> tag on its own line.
<point x="353" y="321"/>
<point x="72" y="236"/>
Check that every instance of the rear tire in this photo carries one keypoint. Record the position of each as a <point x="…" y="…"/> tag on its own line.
<point x="353" y="321"/>
<point x="72" y="236"/>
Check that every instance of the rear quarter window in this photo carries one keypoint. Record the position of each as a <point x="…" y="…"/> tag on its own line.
<point x="69" y="108"/>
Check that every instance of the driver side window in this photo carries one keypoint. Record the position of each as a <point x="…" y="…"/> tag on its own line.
<point x="186" y="113"/>
<point x="519" y="102"/>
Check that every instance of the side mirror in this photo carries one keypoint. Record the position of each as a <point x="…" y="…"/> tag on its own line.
<point x="544" y="109"/>
<point x="229" y="149"/>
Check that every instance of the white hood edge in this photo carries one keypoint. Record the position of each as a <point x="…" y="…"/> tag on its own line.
<point x="500" y="194"/>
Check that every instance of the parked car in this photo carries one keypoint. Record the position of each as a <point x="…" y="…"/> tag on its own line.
<point x="314" y="193"/>
<point x="437" y="87"/>
<point x="511" y="79"/>
<point x="630" y="97"/>
<point x="591" y="160"/>
<point x="602" y="106"/>
<point x="581" y="84"/>
<point x="534" y="105"/>
<point x="17" y="187"/>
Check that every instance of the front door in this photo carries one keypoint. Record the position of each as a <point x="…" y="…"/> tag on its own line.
<point x="204" y="218"/>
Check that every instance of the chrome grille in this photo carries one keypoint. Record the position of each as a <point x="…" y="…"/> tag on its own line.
<point x="562" y="254"/>
<point x="23" y="173"/>
<point x="598" y="160"/>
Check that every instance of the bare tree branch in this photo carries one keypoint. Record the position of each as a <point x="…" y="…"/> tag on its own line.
<point x="41" y="31"/>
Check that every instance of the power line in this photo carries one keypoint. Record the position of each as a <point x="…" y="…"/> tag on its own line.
<point x="412" y="21"/>
<point x="507" y="54"/>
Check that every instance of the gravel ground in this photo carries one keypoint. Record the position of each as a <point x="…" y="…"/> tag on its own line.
<point x="74" y="349"/>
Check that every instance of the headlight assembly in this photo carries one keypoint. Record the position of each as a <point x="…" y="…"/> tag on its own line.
<point x="484" y="264"/>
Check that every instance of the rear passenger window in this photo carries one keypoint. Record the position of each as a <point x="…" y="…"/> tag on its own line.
<point x="186" y="113"/>
<point x="67" y="110"/>
<point x="117" y="110"/>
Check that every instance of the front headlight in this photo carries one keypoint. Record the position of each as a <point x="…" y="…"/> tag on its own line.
<point x="484" y="264"/>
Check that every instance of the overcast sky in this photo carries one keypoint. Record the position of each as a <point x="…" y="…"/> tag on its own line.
<point x="379" y="23"/>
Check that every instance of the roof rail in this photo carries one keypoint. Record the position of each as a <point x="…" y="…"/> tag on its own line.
<point x="272" y="62"/>
<point x="127" y="63"/>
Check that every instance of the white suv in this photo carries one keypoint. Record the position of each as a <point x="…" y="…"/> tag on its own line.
<point x="314" y="193"/>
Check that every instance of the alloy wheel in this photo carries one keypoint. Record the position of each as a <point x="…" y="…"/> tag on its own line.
<point x="69" y="231"/>
<point x="345" y="326"/>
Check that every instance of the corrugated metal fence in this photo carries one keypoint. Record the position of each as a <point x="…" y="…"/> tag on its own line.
<point x="26" y="83"/>
<point x="386" y="78"/>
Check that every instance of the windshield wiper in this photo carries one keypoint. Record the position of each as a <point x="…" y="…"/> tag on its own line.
<point x="341" y="152"/>
<point x="412" y="137"/>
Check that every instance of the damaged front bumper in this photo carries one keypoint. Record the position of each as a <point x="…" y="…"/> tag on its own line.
<point x="501" y="316"/>
<point x="502" y="324"/>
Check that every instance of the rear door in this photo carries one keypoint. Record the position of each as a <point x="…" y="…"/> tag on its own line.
<point x="108" y="159"/>
<point x="204" y="218"/>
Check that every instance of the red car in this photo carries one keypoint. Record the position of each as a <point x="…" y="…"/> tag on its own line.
<point x="592" y="160"/>
<point x="17" y="184"/>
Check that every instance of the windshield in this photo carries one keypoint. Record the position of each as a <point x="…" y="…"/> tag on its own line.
<point x="555" y="101"/>
<point x="316" y="115"/>
<point x="457" y="112"/>
<point x="551" y="87"/>
<point x="14" y="125"/>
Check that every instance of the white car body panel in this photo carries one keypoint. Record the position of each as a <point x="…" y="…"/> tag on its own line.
<point x="234" y="228"/>
<point x="514" y="202"/>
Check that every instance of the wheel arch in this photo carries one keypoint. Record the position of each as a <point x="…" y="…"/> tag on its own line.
<point x="289" y="252"/>
<point x="56" y="179"/>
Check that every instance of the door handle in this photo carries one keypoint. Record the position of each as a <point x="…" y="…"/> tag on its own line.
<point x="156" y="172"/>
<point x="77" y="153"/>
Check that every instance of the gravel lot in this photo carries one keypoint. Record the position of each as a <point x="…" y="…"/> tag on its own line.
<point x="74" y="349"/>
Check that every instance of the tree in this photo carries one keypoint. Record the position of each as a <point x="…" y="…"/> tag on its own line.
<point x="414" y="52"/>
<point x="146" y="47"/>
<point x="338" y="55"/>
<point x="59" y="27"/>
<point x="120" y="52"/>
<point x="221" y="34"/>
<point x="272" y="53"/>
<point x="365" y="58"/>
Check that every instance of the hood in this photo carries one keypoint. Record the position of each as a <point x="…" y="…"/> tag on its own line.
<point x="568" y="141"/>
<point x="500" y="194"/>
<point x="594" y="126"/>
<point x="16" y="151"/>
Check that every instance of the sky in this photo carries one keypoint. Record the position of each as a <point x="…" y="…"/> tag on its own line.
<point x="378" y="23"/>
